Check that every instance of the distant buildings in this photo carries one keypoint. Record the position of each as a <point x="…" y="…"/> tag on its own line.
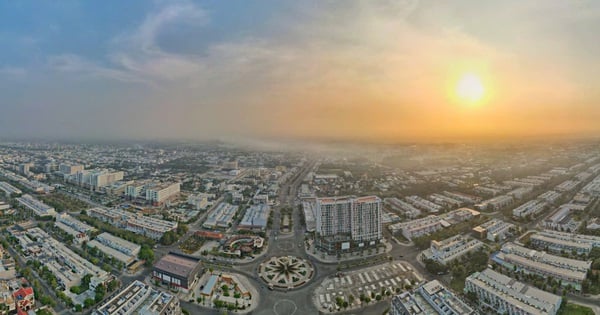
<point x="69" y="169"/>
<point x="341" y="220"/>
<point x="430" y="298"/>
<point x="424" y="204"/>
<point x="140" y="298"/>
<point x="530" y="208"/>
<point x="200" y="201"/>
<point x="39" y="208"/>
<point x="153" y="192"/>
<point x="495" y="203"/>
<point x="221" y="216"/>
<point x="256" y="217"/>
<point x="494" y="230"/>
<point x="137" y="223"/>
<point x="177" y="270"/>
<point x="419" y="227"/>
<point x="403" y="207"/>
<point x="505" y="295"/>
<point x="94" y="179"/>
<point x="116" y="247"/>
<point x="451" y="248"/>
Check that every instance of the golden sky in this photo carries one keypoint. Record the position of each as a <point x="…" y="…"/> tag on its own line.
<point x="364" y="70"/>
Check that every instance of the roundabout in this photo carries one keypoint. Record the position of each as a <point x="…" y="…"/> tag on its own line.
<point x="286" y="272"/>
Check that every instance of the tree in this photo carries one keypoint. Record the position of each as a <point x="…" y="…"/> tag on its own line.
<point x="89" y="302"/>
<point x="113" y="285"/>
<point x="100" y="292"/>
<point x="147" y="254"/>
<point x="168" y="238"/>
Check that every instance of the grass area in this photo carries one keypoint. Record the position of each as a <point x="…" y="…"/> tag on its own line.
<point x="192" y="244"/>
<point x="575" y="309"/>
<point x="62" y="202"/>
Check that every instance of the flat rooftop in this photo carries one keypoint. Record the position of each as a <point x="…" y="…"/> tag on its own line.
<point x="177" y="264"/>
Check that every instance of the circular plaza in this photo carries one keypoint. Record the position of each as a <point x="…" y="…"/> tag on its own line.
<point x="286" y="272"/>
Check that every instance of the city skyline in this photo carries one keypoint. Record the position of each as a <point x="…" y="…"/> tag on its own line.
<point x="383" y="72"/>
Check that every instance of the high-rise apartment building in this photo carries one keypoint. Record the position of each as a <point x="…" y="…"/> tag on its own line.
<point x="342" y="220"/>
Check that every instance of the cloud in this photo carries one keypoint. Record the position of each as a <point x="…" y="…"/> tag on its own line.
<point x="13" y="72"/>
<point x="360" y="69"/>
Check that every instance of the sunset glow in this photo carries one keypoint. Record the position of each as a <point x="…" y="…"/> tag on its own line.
<point x="470" y="89"/>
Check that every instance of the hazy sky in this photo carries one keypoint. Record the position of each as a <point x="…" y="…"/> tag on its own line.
<point x="374" y="70"/>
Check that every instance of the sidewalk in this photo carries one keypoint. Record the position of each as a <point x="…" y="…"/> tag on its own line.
<point x="325" y="258"/>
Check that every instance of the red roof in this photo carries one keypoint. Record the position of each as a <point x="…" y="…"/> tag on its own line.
<point x="22" y="293"/>
<point x="208" y="234"/>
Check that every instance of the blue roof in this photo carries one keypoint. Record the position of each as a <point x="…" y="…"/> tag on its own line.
<point x="210" y="284"/>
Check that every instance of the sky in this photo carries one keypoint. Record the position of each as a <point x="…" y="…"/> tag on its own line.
<point x="348" y="70"/>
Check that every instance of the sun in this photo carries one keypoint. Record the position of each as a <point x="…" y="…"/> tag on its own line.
<point x="469" y="88"/>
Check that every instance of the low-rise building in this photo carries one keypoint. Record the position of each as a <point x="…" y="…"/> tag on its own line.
<point x="494" y="230"/>
<point x="9" y="189"/>
<point x="135" y="222"/>
<point x="402" y="207"/>
<point x="39" y="208"/>
<point x="419" y="227"/>
<point x="116" y="247"/>
<point x="429" y="298"/>
<point x="495" y="203"/>
<point x="177" y="270"/>
<point x="221" y="216"/>
<point x="569" y="271"/>
<point x="530" y="208"/>
<point x="140" y="298"/>
<point x="451" y="248"/>
<point x="256" y="217"/>
<point x="79" y="230"/>
<point x="505" y="295"/>
<point x="555" y="241"/>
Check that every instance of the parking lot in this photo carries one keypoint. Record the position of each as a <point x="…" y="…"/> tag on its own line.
<point x="382" y="280"/>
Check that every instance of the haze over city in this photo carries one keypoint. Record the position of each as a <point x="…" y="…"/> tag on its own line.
<point x="375" y="71"/>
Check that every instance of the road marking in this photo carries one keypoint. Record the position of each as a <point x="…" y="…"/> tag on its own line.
<point x="284" y="301"/>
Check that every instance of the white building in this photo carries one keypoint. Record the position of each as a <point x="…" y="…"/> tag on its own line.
<point x="74" y="227"/>
<point x="419" y="227"/>
<point x="360" y="217"/>
<point x="530" y="208"/>
<point x="430" y="298"/>
<point x="570" y="271"/>
<point x="495" y="203"/>
<point x="69" y="169"/>
<point x="221" y="216"/>
<point x="66" y="265"/>
<point x="116" y="247"/>
<point x="153" y="192"/>
<point x="140" y="298"/>
<point x="494" y="230"/>
<point x="451" y="248"/>
<point x="505" y="295"/>
<point x="151" y="227"/>
<point x="9" y="189"/>
<point x="403" y="207"/>
<point x="200" y="201"/>
<point x="39" y="208"/>
<point x="159" y="193"/>
<point x="560" y="241"/>
<point x="95" y="179"/>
